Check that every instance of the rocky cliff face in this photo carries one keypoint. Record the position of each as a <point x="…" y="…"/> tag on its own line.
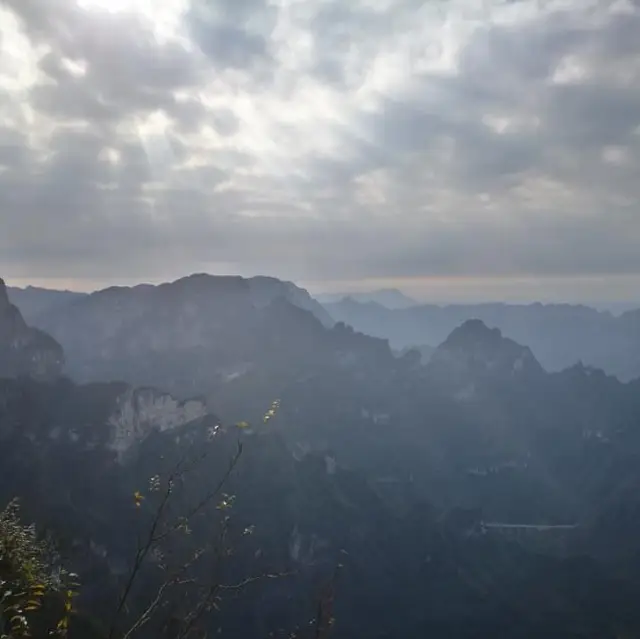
<point x="110" y="416"/>
<point x="138" y="412"/>
<point x="25" y="351"/>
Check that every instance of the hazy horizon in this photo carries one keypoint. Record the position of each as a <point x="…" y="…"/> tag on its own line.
<point x="441" y="293"/>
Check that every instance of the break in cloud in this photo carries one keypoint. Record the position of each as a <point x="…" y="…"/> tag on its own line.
<point x="320" y="140"/>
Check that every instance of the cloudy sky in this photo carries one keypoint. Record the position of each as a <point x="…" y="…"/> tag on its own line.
<point x="457" y="148"/>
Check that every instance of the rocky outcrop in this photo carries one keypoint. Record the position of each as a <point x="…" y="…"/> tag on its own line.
<point x="25" y="351"/>
<point x="112" y="417"/>
<point x="139" y="411"/>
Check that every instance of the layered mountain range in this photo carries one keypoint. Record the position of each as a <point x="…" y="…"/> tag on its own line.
<point x="476" y="495"/>
<point x="560" y="335"/>
<point x="388" y="297"/>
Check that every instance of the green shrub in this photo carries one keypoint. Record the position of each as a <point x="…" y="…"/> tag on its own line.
<point x="36" y="593"/>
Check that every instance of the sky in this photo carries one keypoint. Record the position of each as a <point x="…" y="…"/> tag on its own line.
<point x="457" y="149"/>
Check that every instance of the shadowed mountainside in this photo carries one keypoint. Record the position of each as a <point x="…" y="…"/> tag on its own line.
<point x="25" y="351"/>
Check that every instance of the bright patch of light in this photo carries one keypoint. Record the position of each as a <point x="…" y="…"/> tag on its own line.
<point x="114" y="6"/>
<point x="111" y="156"/>
<point x="18" y="57"/>
<point x="165" y="17"/>
<point x="77" y="69"/>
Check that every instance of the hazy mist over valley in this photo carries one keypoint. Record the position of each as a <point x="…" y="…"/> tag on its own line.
<point x="320" y="319"/>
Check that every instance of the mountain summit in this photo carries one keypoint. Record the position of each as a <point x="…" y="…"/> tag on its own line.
<point x="190" y="336"/>
<point x="474" y="349"/>
<point x="25" y="351"/>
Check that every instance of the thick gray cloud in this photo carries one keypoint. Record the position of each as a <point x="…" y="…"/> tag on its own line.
<point x="319" y="140"/>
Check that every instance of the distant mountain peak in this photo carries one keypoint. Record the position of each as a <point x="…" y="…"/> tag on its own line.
<point x="389" y="298"/>
<point x="188" y="336"/>
<point x="260" y="290"/>
<point x="474" y="349"/>
<point x="471" y="333"/>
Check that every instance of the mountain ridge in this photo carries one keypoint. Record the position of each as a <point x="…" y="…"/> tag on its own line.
<point x="391" y="298"/>
<point x="559" y="335"/>
<point x="33" y="301"/>
<point x="25" y="350"/>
